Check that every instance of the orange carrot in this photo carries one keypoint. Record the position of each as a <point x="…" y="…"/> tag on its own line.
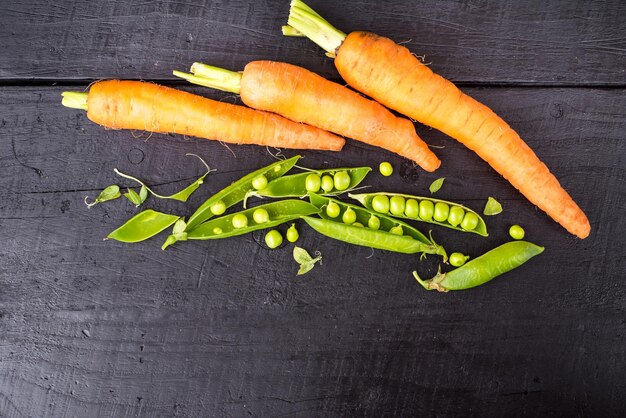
<point x="389" y="73"/>
<point x="304" y="96"/>
<point x="146" y="106"/>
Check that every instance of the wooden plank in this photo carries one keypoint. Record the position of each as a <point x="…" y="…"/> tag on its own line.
<point x="528" y="42"/>
<point x="92" y="327"/>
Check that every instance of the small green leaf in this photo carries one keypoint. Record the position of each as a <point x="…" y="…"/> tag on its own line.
<point x="436" y="185"/>
<point x="109" y="193"/>
<point x="142" y="226"/>
<point x="492" y="207"/>
<point x="305" y="268"/>
<point x="301" y="255"/>
<point x="143" y="193"/>
<point x="133" y="197"/>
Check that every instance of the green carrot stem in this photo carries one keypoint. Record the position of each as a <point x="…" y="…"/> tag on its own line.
<point x="290" y="31"/>
<point x="74" y="99"/>
<point x="315" y="27"/>
<point x="213" y="77"/>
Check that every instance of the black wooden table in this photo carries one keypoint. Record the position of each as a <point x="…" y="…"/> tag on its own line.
<point x="100" y="328"/>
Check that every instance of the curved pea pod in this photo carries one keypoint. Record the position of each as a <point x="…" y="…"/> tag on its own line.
<point x="142" y="226"/>
<point x="412" y="241"/>
<point x="294" y="185"/>
<point x="484" y="268"/>
<point x="480" y="229"/>
<point x="279" y="212"/>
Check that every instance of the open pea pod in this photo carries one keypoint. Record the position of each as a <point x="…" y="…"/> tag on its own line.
<point x="366" y="233"/>
<point x="427" y="212"/>
<point x="279" y="212"/>
<point x="294" y="185"/>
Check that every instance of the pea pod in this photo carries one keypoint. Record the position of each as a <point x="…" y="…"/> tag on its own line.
<point x="411" y="241"/>
<point x="484" y="268"/>
<point x="480" y="228"/>
<point x="142" y="226"/>
<point x="279" y="212"/>
<point x="294" y="185"/>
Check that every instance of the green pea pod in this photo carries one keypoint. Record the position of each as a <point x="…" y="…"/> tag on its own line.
<point x="279" y="212"/>
<point x="480" y="229"/>
<point x="142" y="226"/>
<point x="484" y="268"/>
<point x="238" y="191"/>
<point x="295" y="185"/>
<point x="412" y="241"/>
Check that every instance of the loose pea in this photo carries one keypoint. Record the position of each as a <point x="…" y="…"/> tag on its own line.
<point x="456" y="215"/>
<point x="373" y="222"/>
<point x="426" y="210"/>
<point x="385" y="168"/>
<point x="358" y="224"/>
<point x="240" y="221"/>
<point x="332" y="210"/>
<point x="260" y="216"/>
<point x="469" y="222"/>
<point x="397" y="205"/>
<point x="397" y="230"/>
<point x="516" y="232"/>
<point x="292" y="233"/>
<point x="458" y="259"/>
<point x="380" y="203"/>
<point x="342" y="180"/>
<point x="312" y="183"/>
<point x="217" y="230"/>
<point x="441" y="211"/>
<point x="259" y="182"/>
<point x="218" y="207"/>
<point x="273" y="238"/>
<point x="327" y="183"/>
<point x="349" y="216"/>
<point x="412" y="208"/>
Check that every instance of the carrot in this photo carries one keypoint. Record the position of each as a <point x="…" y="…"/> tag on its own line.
<point x="389" y="73"/>
<point x="146" y="106"/>
<point x="303" y="96"/>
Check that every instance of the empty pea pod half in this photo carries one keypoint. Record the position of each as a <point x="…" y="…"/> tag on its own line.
<point x="387" y="234"/>
<point x="425" y="209"/>
<point x="240" y="223"/>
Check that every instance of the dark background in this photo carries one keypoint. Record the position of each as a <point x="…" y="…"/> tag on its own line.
<point x="99" y="328"/>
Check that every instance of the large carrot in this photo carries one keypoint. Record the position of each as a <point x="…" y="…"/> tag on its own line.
<point x="146" y="106"/>
<point x="389" y="73"/>
<point x="303" y="96"/>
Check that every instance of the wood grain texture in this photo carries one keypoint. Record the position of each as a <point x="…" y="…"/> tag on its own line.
<point x="468" y="41"/>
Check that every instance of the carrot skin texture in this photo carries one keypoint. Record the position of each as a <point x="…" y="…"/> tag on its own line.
<point x="304" y="96"/>
<point x="120" y="104"/>
<point x="389" y="73"/>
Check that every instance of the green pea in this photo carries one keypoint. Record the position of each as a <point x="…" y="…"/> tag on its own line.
<point x="218" y="207"/>
<point x="458" y="259"/>
<point x="273" y="238"/>
<point x="441" y="211"/>
<point x="342" y="180"/>
<point x="217" y="230"/>
<point x="349" y="216"/>
<point x="240" y="221"/>
<point x="385" y="168"/>
<point x="397" y="205"/>
<point x="373" y="222"/>
<point x="260" y="216"/>
<point x="516" y="232"/>
<point x="358" y="224"/>
<point x="327" y="183"/>
<point x="380" y="203"/>
<point x="469" y="222"/>
<point x="411" y="208"/>
<point x="333" y="210"/>
<point x="426" y="210"/>
<point x="292" y="233"/>
<point x="397" y="230"/>
<point x="313" y="183"/>
<point x="259" y="182"/>
<point x="456" y="215"/>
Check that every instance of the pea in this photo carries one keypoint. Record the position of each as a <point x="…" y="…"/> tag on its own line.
<point x="292" y="233"/>
<point x="458" y="259"/>
<point x="332" y="210"/>
<point x="516" y="232"/>
<point x="441" y="211"/>
<point x="358" y="224"/>
<point x="469" y="222"/>
<point x="385" y="168"/>
<point x="217" y="230"/>
<point x="426" y="210"/>
<point x="312" y="183"/>
<point x="218" y="207"/>
<point x="240" y="221"/>
<point x="342" y="180"/>
<point x="373" y="222"/>
<point x="397" y="205"/>
<point x="273" y="238"/>
<point x="456" y="215"/>
<point x="259" y="182"/>
<point x="349" y="216"/>
<point x="380" y="203"/>
<point x="327" y="183"/>
<point x="397" y="230"/>
<point x="412" y="208"/>
<point x="260" y="216"/>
